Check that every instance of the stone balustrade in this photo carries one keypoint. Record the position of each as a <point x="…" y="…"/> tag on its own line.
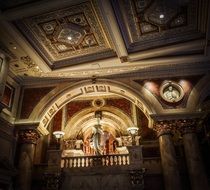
<point x="91" y="161"/>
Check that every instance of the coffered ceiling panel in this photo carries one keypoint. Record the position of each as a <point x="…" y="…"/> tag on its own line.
<point x="147" y="24"/>
<point x="68" y="36"/>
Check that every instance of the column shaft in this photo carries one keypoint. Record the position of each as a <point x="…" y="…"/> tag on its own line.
<point x="170" y="168"/>
<point x="25" y="166"/>
<point x="27" y="144"/>
<point x="195" y="166"/>
<point x="169" y="163"/>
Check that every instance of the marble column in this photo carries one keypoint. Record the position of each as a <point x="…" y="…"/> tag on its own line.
<point x="168" y="156"/>
<point x="27" y="142"/>
<point x="4" y="67"/>
<point x="197" y="174"/>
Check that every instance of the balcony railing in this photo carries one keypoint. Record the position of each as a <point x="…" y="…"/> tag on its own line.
<point x="91" y="161"/>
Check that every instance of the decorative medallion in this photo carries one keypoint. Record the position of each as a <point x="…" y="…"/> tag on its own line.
<point x="68" y="36"/>
<point x="171" y="92"/>
<point x="98" y="103"/>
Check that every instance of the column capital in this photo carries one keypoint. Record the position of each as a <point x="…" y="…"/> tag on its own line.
<point x="28" y="136"/>
<point x="185" y="126"/>
<point x="163" y="127"/>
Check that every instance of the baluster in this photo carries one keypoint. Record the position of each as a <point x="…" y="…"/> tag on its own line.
<point x="87" y="162"/>
<point x="103" y="161"/>
<point x="119" y="160"/>
<point x="78" y="162"/>
<point x="123" y="159"/>
<point x="70" y="163"/>
<point x="115" y="160"/>
<point x="83" y="160"/>
<point x="75" y="162"/>
<point x="111" y="160"/>
<point x="65" y="164"/>
<point x="107" y="161"/>
<point x="128" y="158"/>
<point x="90" y="162"/>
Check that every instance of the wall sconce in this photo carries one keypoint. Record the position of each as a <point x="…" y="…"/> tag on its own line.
<point x="58" y="134"/>
<point x="133" y="131"/>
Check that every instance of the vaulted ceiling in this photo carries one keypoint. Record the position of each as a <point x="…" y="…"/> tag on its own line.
<point x="94" y="38"/>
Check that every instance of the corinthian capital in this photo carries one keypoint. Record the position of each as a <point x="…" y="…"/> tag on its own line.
<point x="186" y="125"/>
<point x="29" y="136"/>
<point x="163" y="127"/>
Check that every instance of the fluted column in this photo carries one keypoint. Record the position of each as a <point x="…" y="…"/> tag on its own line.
<point x="27" y="142"/>
<point x="198" y="178"/>
<point x="168" y="156"/>
<point x="4" y="67"/>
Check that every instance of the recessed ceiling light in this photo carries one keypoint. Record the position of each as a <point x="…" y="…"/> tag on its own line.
<point x="161" y="16"/>
<point x="69" y="38"/>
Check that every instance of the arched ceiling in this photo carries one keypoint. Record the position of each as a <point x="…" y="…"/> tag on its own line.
<point x="113" y="120"/>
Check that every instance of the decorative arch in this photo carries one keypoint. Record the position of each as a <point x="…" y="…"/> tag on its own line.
<point x="199" y="93"/>
<point x="112" y="117"/>
<point x="56" y="99"/>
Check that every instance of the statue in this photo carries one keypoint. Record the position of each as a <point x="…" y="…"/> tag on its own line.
<point x="171" y="93"/>
<point x="96" y="139"/>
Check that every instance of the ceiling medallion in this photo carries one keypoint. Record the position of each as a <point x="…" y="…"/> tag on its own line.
<point x="171" y="92"/>
<point x="98" y="103"/>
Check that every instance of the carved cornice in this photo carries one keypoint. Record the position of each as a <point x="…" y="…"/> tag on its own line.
<point x="28" y="136"/>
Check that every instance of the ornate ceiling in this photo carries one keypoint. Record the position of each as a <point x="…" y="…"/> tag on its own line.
<point x="89" y="38"/>
<point x="68" y="36"/>
<point x="152" y="23"/>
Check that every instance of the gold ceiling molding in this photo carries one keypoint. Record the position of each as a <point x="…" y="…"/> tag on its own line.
<point x="68" y="36"/>
<point x="152" y="23"/>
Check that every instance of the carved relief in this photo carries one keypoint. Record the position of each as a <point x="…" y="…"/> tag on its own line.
<point x="29" y="136"/>
<point x="52" y="111"/>
<point x="137" y="178"/>
<point x="171" y="92"/>
<point x="89" y="89"/>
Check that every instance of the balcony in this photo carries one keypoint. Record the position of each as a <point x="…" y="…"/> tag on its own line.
<point x="92" y="161"/>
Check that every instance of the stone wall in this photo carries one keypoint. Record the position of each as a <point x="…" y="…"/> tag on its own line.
<point x="7" y="144"/>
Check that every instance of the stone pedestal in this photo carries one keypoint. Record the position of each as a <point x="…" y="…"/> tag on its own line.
<point x="135" y="154"/>
<point x="168" y="156"/>
<point x="27" y="143"/>
<point x="198" y="178"/>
